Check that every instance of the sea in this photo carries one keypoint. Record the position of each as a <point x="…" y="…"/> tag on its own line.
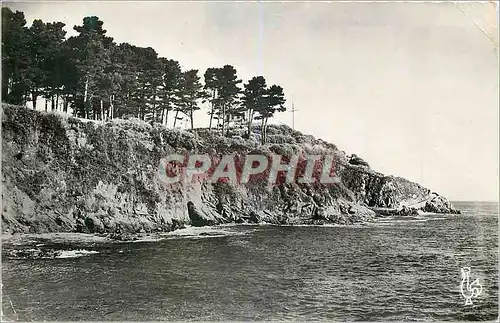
<point x="391" y="269"/>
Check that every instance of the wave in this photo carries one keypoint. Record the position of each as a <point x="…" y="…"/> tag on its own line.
<point x="145" y="239"/>
<point x="201" y="232"/>
<point x="388" y="222"/>
<point x="37" y="253"/>
<point x="326" y="225"/>
<point x="75" y="253"/>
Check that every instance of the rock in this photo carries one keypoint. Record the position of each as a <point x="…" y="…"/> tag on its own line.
<point x="31" y="253"/>
<point x="319" y="213"/>
<point x="253" y="217"/>
<point x="358" y="213"/>
<point x="355" y="160"/>
<point x="220" y="208"/>
<point x="122" y="236"/>
<point x="80" y="226"/>
<point x="407" y="211"/>
<point x="196" y="217"/>
<point x="93" y="224"/>
<point x="439" y="205"/>
<point x="177" y="224"/>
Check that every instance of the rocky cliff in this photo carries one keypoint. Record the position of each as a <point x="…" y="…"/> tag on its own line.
<point x="61" y="174"/>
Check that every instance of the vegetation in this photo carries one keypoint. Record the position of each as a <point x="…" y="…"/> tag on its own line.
<point x="101" y="80"/>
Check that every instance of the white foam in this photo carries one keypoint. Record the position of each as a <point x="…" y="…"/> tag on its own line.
<point x="147" y="239"/>
<point x="201" y="232"/>
<point x="75" y="253"/>
<point x="394" y="221"/>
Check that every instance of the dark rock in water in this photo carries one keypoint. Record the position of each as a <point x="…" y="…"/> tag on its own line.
<point x="177" y="224"/>
<point x="80" y="226"/>
<point x="438" y="204"/>
<point x="407" y="211"/>
<point x="436" y="208"/>
<point x="122" y="236"/>
<point x="429" y="207"/>
<point x="30" y="253"/>
<point x="93" y="225"/>
<point x="281" y="219"/>
<point x="319" y="214"/>
<point x="196" y="217"/>
<point x="253" y="217"/>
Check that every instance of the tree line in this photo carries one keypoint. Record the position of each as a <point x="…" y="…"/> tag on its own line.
<point x="101" y="80"/>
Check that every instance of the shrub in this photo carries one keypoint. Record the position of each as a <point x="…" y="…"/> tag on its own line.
<point x="280" y="139"/>
<point x="285" y="149"/>
<point x="179" y="138"/>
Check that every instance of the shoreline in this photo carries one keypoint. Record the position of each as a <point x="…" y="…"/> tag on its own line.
<point x="83" y="239"/>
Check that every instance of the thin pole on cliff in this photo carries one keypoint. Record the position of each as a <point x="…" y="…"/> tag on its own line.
<point x="293" y="115"/>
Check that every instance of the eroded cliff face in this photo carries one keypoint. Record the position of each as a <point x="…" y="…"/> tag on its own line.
<point x="67" y="175"/>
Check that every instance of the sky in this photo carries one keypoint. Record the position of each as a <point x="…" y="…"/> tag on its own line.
<point x="412" y="88"/>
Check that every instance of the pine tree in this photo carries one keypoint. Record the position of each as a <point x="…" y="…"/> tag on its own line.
<point x="274" y="100"/>
<point x="228" y="95"/>
<point x="149" y="78"/>
<point x="169" y="90"/>
<point x="102" y="80"/>
<point x="125" y="69"/>
<point x="222" y="90"/>
<point x="15" y="57"/>
<point x="254" y="99"/>
<point x="191" y="93"/>
<point x="50" y="41"/>
<point x="92" y="48"/>
<point x="212" y="76"/>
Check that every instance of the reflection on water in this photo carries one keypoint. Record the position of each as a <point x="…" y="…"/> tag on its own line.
<point x="392" y="269"/>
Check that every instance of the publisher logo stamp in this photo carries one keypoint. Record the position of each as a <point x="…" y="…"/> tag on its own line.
<point x="469" y="289"/>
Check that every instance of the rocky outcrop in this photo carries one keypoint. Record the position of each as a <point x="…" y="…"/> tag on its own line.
<point x="197" y="218"/>
<point x="438" y="204"/>
<point x="356" y="160"/>
<point x="63" y="174"/>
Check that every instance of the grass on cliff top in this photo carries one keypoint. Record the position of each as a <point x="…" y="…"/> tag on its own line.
<point x="281" y="139"/>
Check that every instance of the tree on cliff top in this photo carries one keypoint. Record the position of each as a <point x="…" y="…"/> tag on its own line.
<point x="102" y="80"/>
<point x="261" y="103"/>
<point x="92" y="48"/>
<point x="222" y="86"/>
<point x="211" y="77"/>
<point x="191" y="92"/>
<point x="228" y="95"/>
<point x="149" y="78"/>
<point x="46" y="56"/>
<point x="15" y="57"/>
<point x="169" y="88"/>
<point x="124" y="66"/>
<point x="254" y="98"/>
<point x="274" y="100"/>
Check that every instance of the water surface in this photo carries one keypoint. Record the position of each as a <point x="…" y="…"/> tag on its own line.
<point x="399" y="268"/>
